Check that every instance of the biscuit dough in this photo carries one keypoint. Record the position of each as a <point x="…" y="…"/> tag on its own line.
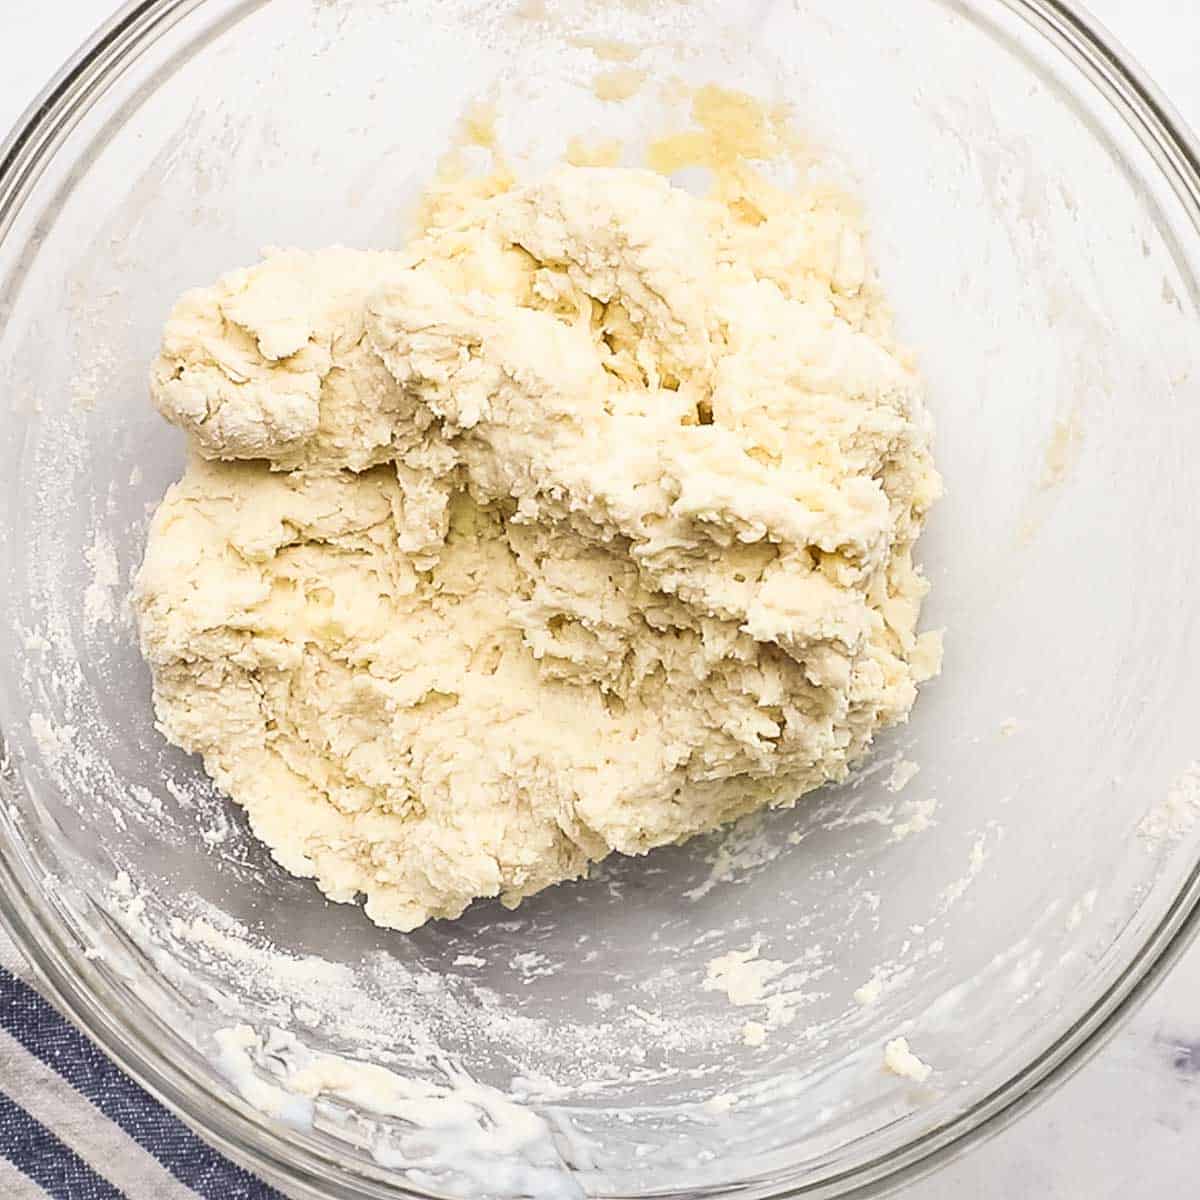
<point x="584" y="523"/>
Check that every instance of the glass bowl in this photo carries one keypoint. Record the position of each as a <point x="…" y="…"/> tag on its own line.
<point x="1034" y="208"/>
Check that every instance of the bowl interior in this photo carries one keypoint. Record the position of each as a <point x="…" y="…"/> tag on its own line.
<point x="1045" y="272"/>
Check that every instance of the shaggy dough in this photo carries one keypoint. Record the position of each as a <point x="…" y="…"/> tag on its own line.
<point x="584" y="523"/>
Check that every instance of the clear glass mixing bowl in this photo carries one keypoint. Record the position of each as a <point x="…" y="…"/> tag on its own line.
<point x="1035" y="211"/>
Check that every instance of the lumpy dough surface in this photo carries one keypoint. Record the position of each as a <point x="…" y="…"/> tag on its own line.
<point x="583" y="523"/>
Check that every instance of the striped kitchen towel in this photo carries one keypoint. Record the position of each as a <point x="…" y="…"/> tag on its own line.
<point x="73" y="1127"/>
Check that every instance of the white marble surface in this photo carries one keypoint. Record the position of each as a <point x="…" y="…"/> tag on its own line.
<point x="1127" y="1125"/>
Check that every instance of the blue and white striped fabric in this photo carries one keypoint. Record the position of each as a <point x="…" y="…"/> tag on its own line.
<point x="73" y="1127"/>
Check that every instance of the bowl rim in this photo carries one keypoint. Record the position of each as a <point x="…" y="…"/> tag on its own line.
<point x="82" y="992"/>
